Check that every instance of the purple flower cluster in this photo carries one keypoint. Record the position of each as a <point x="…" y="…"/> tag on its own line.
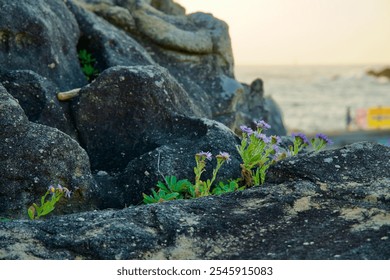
<point x="324" y="138"/>
<point x="262" y="124"/>
<point x="302" y="137"/>
<point x="206" y="155"/>
<point x="225" y="156"/>
<point x="246" y="130"/>
<point x="60" y="189"/>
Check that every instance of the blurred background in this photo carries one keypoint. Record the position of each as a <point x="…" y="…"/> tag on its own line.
<point x="325" y="62"/>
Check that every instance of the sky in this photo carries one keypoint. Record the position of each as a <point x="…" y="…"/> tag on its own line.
<point x="291" y="32"/>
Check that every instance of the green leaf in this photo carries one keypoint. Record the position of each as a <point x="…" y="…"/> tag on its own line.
<point x="31" y="212"/>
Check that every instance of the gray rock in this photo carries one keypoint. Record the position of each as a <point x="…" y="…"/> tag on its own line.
<point x="109" y="45"/>
<point x="294" y="219"/>
<point x="127" y="112"/>
<point x="33" y="156"/>
<point x="174" y="156"/>
<point x="255" y="106"/>
<point x="195" y="49"/>
<point x="38" y="98"/>
<point x="40" y="36"/>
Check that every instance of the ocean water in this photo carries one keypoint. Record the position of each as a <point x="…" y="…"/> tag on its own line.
<point x="315" y="98"/>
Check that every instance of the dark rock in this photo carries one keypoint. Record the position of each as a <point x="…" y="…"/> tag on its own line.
<point x="175" y="155"/>
<point x="334" y="166"/>
<point x="298" y="219"/>
<point x="38" y="98"/>
<point x="109" y="45"/>
<point x="381" y="73"/>
<point x="254" y="106"/>
<point x="195" y="49"/>
<point x="33" y="156"/>
<point x="168" y="7"/>
<point x="40" y="36"/>
<point x="127" y="112"/>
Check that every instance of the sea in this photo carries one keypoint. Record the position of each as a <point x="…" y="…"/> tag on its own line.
<point x="315" y="99"/>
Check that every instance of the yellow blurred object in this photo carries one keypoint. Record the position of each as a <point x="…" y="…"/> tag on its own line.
<point x="378" y="118"/>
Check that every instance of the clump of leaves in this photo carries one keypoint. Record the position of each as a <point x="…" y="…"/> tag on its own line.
<point x="87" y="63"/>
<point x="36" y="211"/>
<point x="170" y="190"/>
<point x="183" y="189"/>
<point x="258" y="152"/>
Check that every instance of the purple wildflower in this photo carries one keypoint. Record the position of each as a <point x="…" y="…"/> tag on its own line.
<point x="246" y="129"/>
<point x="276" y="140"/>
<point x="302" y="137"/>
<point x="205" y="155"/>
<point x="262" y="124"/>
<point x="225" y="156"/>
<point x="67" y="193"/>
<point x="325" y="138"/>
<point x="262" y="137"/>
<point x="51" y="189"/>
<point x="60" y="188"/>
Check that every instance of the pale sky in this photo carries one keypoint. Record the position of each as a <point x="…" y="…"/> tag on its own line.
<point x="290" y="32"/>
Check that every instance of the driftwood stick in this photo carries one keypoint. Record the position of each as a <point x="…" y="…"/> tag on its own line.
<point x="67" y="95"/>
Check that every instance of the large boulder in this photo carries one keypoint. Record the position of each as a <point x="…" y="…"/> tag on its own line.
<point x="293" y="219"/>
<point x="34" y="156"/>
<point x="40" y="36"/>
<point x="127" y="112"/>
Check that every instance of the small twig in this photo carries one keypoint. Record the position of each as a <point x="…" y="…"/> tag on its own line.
<point x="67" y="95"/>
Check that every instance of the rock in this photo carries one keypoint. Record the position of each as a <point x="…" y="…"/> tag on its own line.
<point x="33" y="156"/>
<point x="127" y="112"/>
<point x="42" y="37"/>
<point x="195" y="49"/>
<point x="254" y="106"/>
<point x="357" y="163"/>
<point x="174" y="156"/>
<point x="325" y="218"/>
<point x="129" y="116"/>
<point x="109" y="45"/>
<point x="168" y="7"/>
<point x="382" y="73"/>
<point x="37" y="97"/>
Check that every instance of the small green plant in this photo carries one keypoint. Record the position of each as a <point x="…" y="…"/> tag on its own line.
<point x="223" y="188"/>
<point x="258" y="152"/>
<point x="87" y="63"/>
<point x="173" y="189"/>
<point x="47" y="205"/>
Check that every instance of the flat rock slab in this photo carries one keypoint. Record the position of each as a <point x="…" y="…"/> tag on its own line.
<point x="299" y="219"/>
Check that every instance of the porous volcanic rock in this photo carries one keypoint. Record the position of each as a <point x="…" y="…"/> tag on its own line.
<point x="38" y="98"/>
<point x="325" y="218"/>
<point x="40" y="36"/>
<point x="33" y="156"/>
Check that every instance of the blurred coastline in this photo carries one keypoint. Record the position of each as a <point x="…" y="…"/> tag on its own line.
<point x="329" y="99"/>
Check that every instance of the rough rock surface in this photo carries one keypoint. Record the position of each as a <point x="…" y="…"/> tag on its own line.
<point x="128" y="111"/>
<point x="171" y="157"/>
<point x="40" y="36"/>
<point x="33" y="156"/>
<point x="38" y="98"/>
<point x="329" y="218"/>
<point x="109" y="45"/>
<point x="129" y="116"/>
<point x="195" y="49"/>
